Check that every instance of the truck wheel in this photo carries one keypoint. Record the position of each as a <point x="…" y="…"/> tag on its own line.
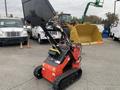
<point x="25" y="42"/>
<point x="1" y="44"/>
<point x="114" y="38"/>
<point x="110" y="35"/>
<point x="31" y="36"/>
<point x="37" y="72"/>
<point x="39" y="39"/>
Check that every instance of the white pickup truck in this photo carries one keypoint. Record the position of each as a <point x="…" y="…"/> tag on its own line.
<point x="12" y="31"/>
<point x="39" y="34"/>
<point x="115" y="32"/>
<point x="100" y="27"/>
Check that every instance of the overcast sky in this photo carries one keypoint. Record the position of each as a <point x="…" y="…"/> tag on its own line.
<point x="75" y="7"/>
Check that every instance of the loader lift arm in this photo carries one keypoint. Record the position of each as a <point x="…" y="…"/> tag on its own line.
<point x="51" y="40"/>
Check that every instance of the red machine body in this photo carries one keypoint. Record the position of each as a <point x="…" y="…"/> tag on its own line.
<point x="51" y="72"/>
<point x="62" y="66"/>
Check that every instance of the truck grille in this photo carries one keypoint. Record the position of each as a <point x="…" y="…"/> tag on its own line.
<point x="13" y="34"/>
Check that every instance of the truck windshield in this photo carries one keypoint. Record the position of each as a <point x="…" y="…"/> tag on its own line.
<point x="11" y="23"/>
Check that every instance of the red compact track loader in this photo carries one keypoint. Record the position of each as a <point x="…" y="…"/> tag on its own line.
<point x="62" y="67"/>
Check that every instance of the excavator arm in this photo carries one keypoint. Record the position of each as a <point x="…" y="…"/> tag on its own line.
<point x="96" y="4"/>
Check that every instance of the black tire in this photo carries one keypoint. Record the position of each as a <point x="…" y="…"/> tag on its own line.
<point x="37" y="72"/>
<point x="1" y="44"/>
<point x="25" y="42"/>
<point x="31" y="36"/>
<point x="114" y="38"/>
<point x="110" y="35"/>
<point x="39" y="39"/>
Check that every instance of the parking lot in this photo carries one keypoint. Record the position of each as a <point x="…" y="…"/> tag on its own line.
<point x="100" y="64"/>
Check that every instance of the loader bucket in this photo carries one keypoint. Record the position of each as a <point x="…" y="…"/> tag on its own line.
<point x="85" y="34"/>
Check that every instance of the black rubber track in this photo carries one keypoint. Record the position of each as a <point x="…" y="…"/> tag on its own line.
<point x="67" y="79"/>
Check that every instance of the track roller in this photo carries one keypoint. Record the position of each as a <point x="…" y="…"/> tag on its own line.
<point x="67" y="79"/>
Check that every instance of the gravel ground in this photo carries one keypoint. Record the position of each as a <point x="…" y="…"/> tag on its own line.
<point x="100" y="64"/>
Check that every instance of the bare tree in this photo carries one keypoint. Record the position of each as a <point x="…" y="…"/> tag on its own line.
<point x="110" y="21"/>
<point x="93" y="19"/>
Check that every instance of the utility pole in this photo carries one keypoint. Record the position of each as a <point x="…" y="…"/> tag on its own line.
<point x="6" y="12"/>
<point x="115" y="6"/>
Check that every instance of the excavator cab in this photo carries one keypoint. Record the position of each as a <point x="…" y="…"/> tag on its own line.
<point x="99" y="3"/>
